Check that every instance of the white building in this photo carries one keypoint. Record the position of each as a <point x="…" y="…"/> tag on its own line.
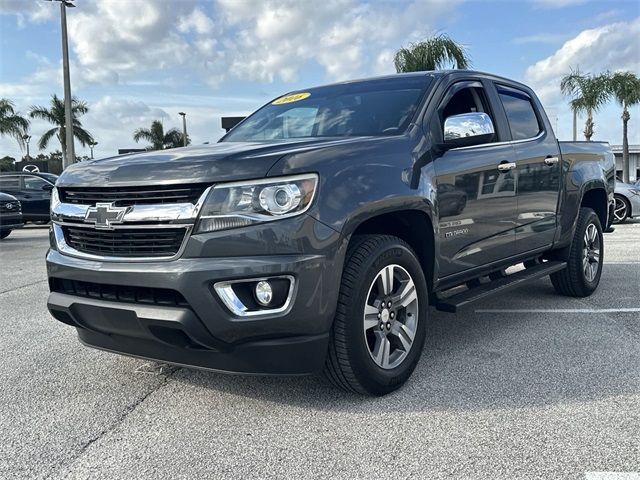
<point x="634" y="161"/>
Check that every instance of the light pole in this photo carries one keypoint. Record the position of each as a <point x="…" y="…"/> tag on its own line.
<point x="184" y="127"/>
<point x="91" y="145"/>
<point x="26" y="138"/>
<point x="70" y="156"/>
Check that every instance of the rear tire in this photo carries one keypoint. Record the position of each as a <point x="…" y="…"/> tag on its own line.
<point x="584" y="266"/>
<point x="4" y="234"/>
<point x="380" y="325"/>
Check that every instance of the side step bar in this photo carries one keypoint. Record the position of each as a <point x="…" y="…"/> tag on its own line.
<point x="452" y="303"/>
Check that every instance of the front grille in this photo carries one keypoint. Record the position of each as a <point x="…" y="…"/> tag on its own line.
<point x="10" y="207"/>
<point x="140" y="242"/>
<point x="118" y="293"/>
<point x="125" y="196"/>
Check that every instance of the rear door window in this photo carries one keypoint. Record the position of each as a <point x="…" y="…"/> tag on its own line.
<point x="521" y="114"/>
<point x="9" y="182"/>
<point x="34" y="183"/>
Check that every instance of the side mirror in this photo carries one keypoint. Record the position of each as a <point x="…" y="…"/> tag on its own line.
<point x="47" y="187"/>
<point x="467" y="129"/>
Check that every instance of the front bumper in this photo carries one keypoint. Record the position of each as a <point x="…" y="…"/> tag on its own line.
<point x="177" y="336"/>
<point x="11" y="222"/>
<point x="634" y="200"/>
<point x="202" y="332"/>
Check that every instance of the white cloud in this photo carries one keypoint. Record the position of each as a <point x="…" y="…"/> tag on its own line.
<point x="32" y="11"/>
<point x="196" y="21"/>
<point x="275" y="39"/>
<point x="541" y="38"/>
<point x="121" y="41"/>
<point x="558" y="3"/>
<point x="129" y="37"/>
<point x="611" y="47"/>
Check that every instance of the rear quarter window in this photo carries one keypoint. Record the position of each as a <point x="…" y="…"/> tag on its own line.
<point x="521" y="114"/>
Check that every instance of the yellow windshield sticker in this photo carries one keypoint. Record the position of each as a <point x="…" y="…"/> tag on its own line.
<point x="294" y="97"/>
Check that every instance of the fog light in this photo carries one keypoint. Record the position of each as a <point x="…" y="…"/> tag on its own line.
<point x="264" y="292"/>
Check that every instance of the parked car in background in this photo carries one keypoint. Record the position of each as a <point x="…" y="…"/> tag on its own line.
<point x="627" y="201"/>
<point x="10" y="215"/>
<point x="33" y="190"/>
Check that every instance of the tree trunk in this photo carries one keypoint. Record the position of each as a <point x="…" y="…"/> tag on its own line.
<point x="63" y="142"/>
<point x="625" y="146"/>
<point x="588" y="126"/>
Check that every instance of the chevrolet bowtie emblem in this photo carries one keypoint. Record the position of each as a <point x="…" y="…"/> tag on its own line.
<point x="104" y="215"/>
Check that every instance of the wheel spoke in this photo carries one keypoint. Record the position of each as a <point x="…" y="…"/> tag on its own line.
<point x="404" y="334"/>
<point x="407" y="294"/>
<point x="382" y="350"/>
<point x="370" y="317"/>
<point x="386" y="280"/>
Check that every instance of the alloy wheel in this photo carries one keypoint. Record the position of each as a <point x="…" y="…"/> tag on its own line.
<point x="591" y="252"/>
<point x="620" y="210"/>
<point x="391" y="316"/>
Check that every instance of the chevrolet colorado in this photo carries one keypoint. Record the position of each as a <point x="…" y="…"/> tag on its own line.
<point x="317" y="233"/>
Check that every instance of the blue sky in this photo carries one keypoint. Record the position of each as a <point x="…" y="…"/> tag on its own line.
<point x="134" y="61"/>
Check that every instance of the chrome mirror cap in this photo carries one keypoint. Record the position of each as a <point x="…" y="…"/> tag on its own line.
<point x="467" y="125"/>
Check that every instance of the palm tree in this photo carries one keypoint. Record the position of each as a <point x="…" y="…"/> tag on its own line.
<point x="12" y="123"/>
<point x="589" y="92"/>
<point x="158" y="138"/>
<point x="625" y="87"/>
<point x="55" y="116"/>
<point x="435" y="53"/>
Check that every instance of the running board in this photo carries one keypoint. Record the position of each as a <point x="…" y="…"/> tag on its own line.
<point x="452" y="303"/>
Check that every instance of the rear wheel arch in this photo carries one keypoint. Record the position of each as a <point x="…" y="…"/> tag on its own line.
<point x="596" y="199"/>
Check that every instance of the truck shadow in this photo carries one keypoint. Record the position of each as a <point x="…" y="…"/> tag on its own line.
<point x="474" y="361"/>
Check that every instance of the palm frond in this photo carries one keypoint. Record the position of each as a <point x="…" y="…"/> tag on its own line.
<point x="173" y="139"/>
<point x="83" y="136"/>
<point x="12" y="124"/>
<point x="55" y="115"/>
<point x="435" y="53"/>
<point x="46" y="137"/>
<point x="142" y="134"/>
<point x="625" y="87"/>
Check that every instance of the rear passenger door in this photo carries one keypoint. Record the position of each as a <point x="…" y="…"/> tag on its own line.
<point x="538" y="168"/>
<point x="11" y="184"/>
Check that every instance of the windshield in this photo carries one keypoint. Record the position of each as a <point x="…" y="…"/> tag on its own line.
<point x="49" y="176"/>
<point x="374" y="107"/>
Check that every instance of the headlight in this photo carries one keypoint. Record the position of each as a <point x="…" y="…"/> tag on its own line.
<point x="55" y="200"/>
<point x="237" y="204"/>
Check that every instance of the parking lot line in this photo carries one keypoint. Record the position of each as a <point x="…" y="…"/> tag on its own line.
<point x="557" y="310"/>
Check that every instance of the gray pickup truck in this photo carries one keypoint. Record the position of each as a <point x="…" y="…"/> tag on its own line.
<point x="318" y="233"/>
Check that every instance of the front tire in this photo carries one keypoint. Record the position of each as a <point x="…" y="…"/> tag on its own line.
<point x="584" y="266"/>
<point x="621" y="209"/>
<point x="380" y="325"/>
<point x="4" y="234"/>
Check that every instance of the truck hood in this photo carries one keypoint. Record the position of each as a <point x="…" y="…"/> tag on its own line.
<point x="219" y="162"/>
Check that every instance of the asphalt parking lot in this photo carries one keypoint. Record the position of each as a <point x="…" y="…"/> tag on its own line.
<point x="524" y="385"/>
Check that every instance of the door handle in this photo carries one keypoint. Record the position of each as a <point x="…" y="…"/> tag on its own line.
<point x="506" y="166"/>
<point x="551" y="160"/>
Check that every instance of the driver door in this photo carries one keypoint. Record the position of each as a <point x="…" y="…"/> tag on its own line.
<point x="476" y="189"/>
<point x="36" y="198"/>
